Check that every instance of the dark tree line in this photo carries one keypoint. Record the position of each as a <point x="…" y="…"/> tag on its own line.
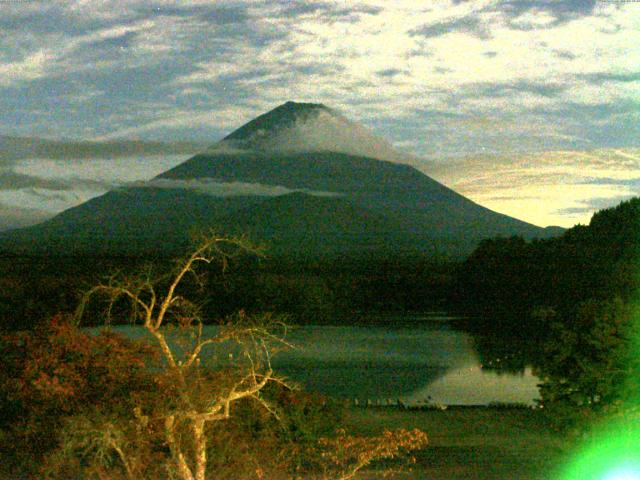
<point x="572" y="301"/>
<point x="330" y="290"/>
<point x="509" y="278"/>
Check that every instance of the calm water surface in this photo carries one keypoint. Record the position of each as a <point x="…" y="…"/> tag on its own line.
<point x="429" y="362"/>
<point x="426" y="360"/>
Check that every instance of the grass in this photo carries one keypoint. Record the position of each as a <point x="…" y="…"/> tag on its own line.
<point x="473" y="443"/>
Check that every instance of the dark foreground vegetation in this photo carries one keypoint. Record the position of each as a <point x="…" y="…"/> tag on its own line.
<point x="568" y="305"/>
<point x="181" y="405"/>
<point x="80" y="406"/>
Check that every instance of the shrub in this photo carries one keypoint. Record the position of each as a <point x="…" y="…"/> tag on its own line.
<point x="589" y="365"/>
<point x="183" y="405"/>
<point x="59" y="372"/>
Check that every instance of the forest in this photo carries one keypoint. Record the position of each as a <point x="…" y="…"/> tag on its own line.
<point x="572" y="302"/>
<point x="77" y="404"/>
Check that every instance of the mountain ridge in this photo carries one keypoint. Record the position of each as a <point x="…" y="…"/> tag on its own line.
<point x="280" y="117"/>
<point x="300" y="197"/>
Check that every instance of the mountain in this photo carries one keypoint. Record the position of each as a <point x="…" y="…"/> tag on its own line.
<point x="302" y="178"/>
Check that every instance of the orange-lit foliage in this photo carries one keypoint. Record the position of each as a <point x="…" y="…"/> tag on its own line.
<point x="345" y="455"/>
<point x="60" y="371"/>
<point x="70" y="400"/>
<point x="101" y="406"/>
<point x="65" y="368"/>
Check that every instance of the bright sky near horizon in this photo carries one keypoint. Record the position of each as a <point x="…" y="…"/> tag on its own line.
<point x="529" y="107"/>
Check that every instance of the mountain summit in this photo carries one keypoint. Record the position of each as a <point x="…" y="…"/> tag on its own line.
<point x="307" y="127"/>
<point x="274" y="121"/>
<point x="302" y="178"/>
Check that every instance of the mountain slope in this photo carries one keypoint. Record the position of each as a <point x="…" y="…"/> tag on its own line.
<point x="395" y="189"/>
<point x="300" y="177"/>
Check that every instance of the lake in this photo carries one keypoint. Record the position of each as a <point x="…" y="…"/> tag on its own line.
<point x="425" y="359"/>
<point x="429" y="361"/>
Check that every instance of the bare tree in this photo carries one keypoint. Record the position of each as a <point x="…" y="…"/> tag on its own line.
<point x="204" y="372"/>
<point x="156" y="303"/>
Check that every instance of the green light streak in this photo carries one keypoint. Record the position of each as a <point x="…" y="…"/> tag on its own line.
<point x="613" y="451"/>
<point x="611" y="455"/>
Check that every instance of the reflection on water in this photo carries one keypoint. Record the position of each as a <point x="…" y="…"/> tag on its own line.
<point x="426" y="361"/>
<point x="471" y="385"/>
<point x="421" y="363"/>
<point x="375" y="380"/>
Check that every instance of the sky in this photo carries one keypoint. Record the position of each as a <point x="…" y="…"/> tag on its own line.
<point x="531" y="108"/>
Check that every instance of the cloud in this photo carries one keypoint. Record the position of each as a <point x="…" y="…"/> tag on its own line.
<point x="470" y="25"/>
<point x="547" y="188"/>
<point x="211" y="186"/>
<point x="564" y="54"/>
<point x="15" y="181"/>
<point x="518" y="198"/>
<point x="215" y="14"/>
<point x="62" y="54"/>
<point x="13" y="216"/>
<point x="441" y="79"/>
<point x="98" y="173"/>
<point x="43" y="200"/>
<point x="389" y="72"/>
<point x="321" y="130"/>
<point x="593" y="204"/>
<point x="30" y="67"/>
<point x="147" y="69"/>
<point x="33" y="198"/>
<point x="527" y="14"/>
<point x="512" y="89"/>
<point x="628" y="182"/>
<point x="611" y="77"/>
<point x="17" y="148"/>
<point x="38" y="188"/>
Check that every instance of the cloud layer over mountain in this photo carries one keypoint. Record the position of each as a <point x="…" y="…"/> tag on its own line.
<point x="323" y="129"/>
<point x="210" y="186"/>
<point x="437" y="78"/>
<point x="34" y="189"/>
<point x="551" y="188"/>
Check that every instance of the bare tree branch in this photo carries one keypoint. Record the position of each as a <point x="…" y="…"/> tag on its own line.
<point x="153" y="299"/>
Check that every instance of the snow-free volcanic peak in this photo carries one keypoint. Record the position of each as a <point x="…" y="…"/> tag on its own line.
<point x="302" y="178"/>
<point x="275" y="120"/>
<point x="307" y="127"/>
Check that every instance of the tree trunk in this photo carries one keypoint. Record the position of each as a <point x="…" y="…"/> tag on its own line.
<point x="200" y="448"/>
<point x="183" y="469"/>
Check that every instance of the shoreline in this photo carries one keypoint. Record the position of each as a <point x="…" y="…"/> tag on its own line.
<point x="483" y="443"/>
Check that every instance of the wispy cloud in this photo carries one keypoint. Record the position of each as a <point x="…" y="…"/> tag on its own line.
<point x="373" y="59"/>
<point x="591" y="205"/>
<point x="34" y="189"/>
<point x="322" y="130"/>
<point x="471" y="25"/>
<point x="67" y="54"/>
<point x="19" y="148"/>
<point x="15" y="216"/>
<point x="534" y="186"/>
<point x="211" y="186"/>
<point x="627" y="182"/>
<point x="15" y="181"/>
<point x="440" y="79"/>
